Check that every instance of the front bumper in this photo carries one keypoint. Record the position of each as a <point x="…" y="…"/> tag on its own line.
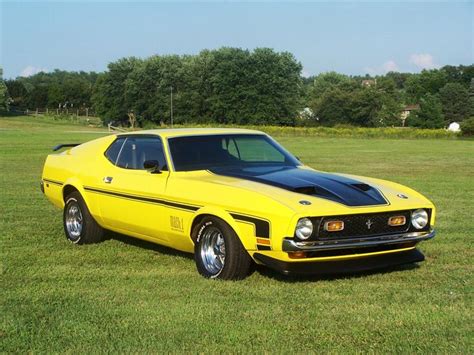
<point x="342" y="266"/>
<point x="291" y="245"/>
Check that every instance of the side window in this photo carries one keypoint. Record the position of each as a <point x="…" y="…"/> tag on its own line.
<point x="137" y="150"/>
<point x="114" y="149"/>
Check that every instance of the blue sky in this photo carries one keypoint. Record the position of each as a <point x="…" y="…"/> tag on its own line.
<point x="348" y="37"/>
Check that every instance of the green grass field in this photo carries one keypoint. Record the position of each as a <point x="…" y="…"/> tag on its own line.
<point x="127" y="295"/>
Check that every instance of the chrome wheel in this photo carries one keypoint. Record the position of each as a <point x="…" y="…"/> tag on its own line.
<point x="213" y="250"/>
<point x="74" y="222"/>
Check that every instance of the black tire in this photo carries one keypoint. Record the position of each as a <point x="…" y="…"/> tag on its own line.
<point x="79" y="226"/>
<point x="236" y="263"/>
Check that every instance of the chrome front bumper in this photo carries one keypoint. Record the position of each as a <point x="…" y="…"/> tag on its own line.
<point x="347" y="243"/>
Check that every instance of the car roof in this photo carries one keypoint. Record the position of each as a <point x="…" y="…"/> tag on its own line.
<point x="180" y="132"/>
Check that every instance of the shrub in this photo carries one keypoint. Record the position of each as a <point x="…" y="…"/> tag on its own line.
<point x="467" y="127"/>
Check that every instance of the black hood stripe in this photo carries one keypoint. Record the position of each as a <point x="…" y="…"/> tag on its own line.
<point x="332" y="187"/>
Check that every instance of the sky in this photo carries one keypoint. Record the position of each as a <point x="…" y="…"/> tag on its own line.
<point x="351" y="37"/>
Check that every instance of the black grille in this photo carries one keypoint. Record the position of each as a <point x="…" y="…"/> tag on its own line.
<point x="363" y="225"/>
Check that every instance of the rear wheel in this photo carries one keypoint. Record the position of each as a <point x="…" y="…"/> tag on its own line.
<point x="218" y="252"/>
<point x="79" y="226"/>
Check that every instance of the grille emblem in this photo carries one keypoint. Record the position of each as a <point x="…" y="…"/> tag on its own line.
<point x="369" y="223"/>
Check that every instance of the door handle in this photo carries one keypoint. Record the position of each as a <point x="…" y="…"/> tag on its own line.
<point x="108" y="179"/>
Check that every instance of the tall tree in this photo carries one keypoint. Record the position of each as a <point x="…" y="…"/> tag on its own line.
<point x="18" y="94"/>
<point x="455" y="100"/>
<point x="4" y="97"/>
<point x="430" y="114"/>
<point x="366" y="104"/>
<point x="471" y="98"/>
<point x="428" y="81"/>
<point x="109" y="92"/>
<point x="334" y="108"/>
<point x="319" y="101"/>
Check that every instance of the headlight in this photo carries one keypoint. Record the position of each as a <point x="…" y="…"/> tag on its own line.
<point x="304" y="228"/>
<point x="419" y="219"/>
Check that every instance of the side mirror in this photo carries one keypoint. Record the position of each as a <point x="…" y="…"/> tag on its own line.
<point x="152" y="166"/>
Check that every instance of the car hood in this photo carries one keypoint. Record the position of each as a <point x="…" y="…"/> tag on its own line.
<point x="337" y="188"/>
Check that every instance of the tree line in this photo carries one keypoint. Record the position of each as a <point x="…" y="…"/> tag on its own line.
<point x="259" y="87"/>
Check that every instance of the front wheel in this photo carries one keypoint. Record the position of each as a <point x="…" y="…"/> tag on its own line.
<point x="218" y="252"/>
<point x="79" y="226"/>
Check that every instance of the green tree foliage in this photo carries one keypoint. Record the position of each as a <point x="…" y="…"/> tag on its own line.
<point x="366" y="105"/>
<point x="18" y="94"/>
<point x="430" y="114"/>
<point x="109" y="94"/>
<point x="326" y="81"/>
<point x="471" y="98"/>
<point x="334" y="107"/>
<point x="455" y="100"/>
<point x="58" y="88"/>
<point x="228" y="85"/>
<point x="428" y="81"/>
<point x="467" y="127"/>
<point x="238" y="86"/>
<point x="389" y="113"/>
<point x="399" y="79"/>
<point x="4" y="96"/>
<point x="461" y="74"/>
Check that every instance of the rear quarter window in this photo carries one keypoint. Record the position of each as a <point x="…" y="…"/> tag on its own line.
<point x="114" y="149"/>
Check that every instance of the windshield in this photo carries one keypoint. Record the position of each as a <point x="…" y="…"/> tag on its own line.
<point x="227" y="150"/>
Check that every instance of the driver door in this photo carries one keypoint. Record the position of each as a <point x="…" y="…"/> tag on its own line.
<point x="132" y="201"/>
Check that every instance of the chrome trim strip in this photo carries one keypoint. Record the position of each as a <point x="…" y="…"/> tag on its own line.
<point x="289" y="244"/>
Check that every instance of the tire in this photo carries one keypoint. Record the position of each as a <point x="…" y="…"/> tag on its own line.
<point x="218" y="252"/>
<point x="79" y="226"/>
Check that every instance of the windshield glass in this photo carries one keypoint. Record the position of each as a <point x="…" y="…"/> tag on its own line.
<point x="227" y="150"/>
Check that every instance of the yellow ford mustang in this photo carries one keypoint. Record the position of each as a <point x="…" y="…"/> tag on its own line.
<point x="233" y="197"/>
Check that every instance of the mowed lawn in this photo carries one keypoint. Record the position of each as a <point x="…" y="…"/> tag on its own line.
<point x="127" y="295"/>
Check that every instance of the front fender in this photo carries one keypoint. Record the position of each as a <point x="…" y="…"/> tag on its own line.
<point x="245" y="232"/>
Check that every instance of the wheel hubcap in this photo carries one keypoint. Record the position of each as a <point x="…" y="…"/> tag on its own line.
<point x="213" y="250"/>
<point x="74" y="220"/>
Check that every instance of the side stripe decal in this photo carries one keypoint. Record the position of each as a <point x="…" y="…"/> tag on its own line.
<point x="262" y="227"/>
<point x="143" y="199"/>
<point x="54" y="182"/>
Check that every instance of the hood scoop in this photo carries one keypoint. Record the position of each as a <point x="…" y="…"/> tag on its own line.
<point x="362" y="187"/>
<point x="332" y="187"/>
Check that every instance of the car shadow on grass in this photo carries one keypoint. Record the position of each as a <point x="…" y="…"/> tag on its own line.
<point x="262" y="270"/>
<point x="143" y="244"/>
<point x="295" y="278"/>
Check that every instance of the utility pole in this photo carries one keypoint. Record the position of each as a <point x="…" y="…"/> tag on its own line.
<point x="171" y="111"/>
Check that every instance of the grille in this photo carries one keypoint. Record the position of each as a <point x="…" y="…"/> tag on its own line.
<point x="362" y="225"/>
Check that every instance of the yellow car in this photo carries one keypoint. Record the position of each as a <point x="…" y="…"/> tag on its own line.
<point x="234" y="197"/>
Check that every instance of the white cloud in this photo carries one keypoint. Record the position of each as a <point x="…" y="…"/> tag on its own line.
<point x="386" y="67"/>
<point x="423" y="61"/>
<point x="390" y="66"/>
<point x="305" y="73"/>
<point x="31" y="70"/>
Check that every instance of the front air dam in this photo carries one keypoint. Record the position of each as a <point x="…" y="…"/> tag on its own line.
<point x="342" y="266"/>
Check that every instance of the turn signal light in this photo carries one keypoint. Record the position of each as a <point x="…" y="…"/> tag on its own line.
<point x="397" y="221"/>
<point x="334" y="226"/>
<point x="297" y="255"/>
<point x="263" y="241"/>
